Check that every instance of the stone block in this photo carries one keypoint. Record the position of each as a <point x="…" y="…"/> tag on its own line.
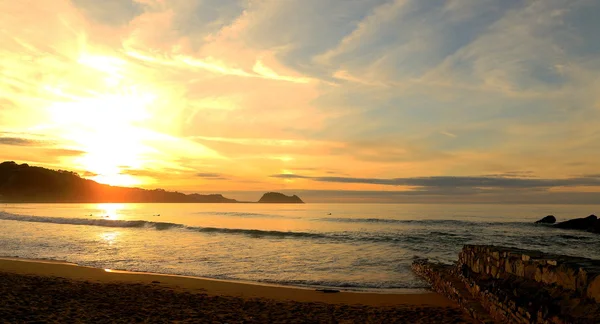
<point x="548" y="275"/>
<point x="593" y="288"/>
<point x="529" y="271"/>
<point x="538" y="274"/>
<point x="565" y="277"/>
<point x="508" y="266"/>
<point x="519" y="268"/>
<point x="581" y="280"/>
<point x="494" y="271"/>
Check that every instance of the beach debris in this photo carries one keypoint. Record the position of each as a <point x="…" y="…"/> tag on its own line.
<point x="328" y="291"/>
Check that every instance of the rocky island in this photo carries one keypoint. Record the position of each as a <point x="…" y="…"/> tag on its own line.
<point x="22" y="183"/>
<point x="279" y="198"/>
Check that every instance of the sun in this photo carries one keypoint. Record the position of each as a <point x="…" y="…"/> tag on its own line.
<point x="107" y="124"/>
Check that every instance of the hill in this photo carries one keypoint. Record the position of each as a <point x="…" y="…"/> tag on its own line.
<point x="279" y="198"/>
<point x="24" y="183"/>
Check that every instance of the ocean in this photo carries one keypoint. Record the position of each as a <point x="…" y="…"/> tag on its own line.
<point x="344" y="246"/>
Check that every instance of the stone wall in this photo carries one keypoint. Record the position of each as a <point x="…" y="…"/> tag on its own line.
<point x="518" y="286"/>
<point x="578" y="274"/>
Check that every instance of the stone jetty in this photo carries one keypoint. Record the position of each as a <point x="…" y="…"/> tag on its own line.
<point x="507" y="285"/>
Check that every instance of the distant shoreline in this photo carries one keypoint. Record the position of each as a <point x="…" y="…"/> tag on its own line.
<point x="22" y="183"/>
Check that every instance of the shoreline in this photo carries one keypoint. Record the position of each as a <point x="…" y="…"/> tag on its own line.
<point x="218" y="287"/>
<point x="34" y="291"/>
<point x="358" y="290"/>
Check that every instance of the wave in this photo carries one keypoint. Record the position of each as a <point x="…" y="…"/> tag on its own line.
<point x="241" y="214"/>
<point x="255" y="232"/>
<point x="415" y="221"/>
<point x="410" y="238"/>
<point x="155" y="225"/>
<point x="90" y="221"/>
<point x="413" y="284"/>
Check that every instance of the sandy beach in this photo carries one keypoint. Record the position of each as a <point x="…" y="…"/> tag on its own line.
<point x="41" y="291"/>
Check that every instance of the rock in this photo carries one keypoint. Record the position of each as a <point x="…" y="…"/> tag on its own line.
<point x="328" y="291"/>
<point x="579" y="223"/>
<point x="550" y="219"/>
<point x="596" y="227"/>
<point x="279" y="198"/>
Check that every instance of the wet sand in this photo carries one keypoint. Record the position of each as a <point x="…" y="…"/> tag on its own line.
<point x="59" y="292"/>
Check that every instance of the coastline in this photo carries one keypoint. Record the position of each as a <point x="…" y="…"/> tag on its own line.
<point x="42" y="291"/>
<point x="217" y="287"/>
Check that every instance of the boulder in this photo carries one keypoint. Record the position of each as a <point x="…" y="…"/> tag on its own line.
<point x="579" y="223"/>
<point x="550" y="219"/>
<point x="596" y="227"/>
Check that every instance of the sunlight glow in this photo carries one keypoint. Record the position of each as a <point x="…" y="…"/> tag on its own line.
<point x="107" y="64"/>
<point x="110" y="237"/>
<point x="105" y="126"/>
<point x="111" y="211"/>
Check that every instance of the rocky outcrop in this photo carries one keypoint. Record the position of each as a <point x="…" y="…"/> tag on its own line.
<point x="519" y="286"/>
<point x="22" y="183"/>
<point x="596" y="227"/>
<point x="279" y="198"/>
<point x="585" y="224"/>
<point x="550" y="219"/>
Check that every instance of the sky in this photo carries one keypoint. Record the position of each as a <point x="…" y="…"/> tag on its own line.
<point x="334" y="100"/>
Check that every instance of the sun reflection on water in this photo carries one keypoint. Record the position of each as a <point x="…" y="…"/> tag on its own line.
<point x="110" y="237"/>
<point x="110" y="211"/>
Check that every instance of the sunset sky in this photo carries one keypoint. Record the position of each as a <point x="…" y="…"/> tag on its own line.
<point x="334" y="100"/>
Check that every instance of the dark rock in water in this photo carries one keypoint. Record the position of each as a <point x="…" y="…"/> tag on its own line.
<point x="279" y="198"/>
<point x="579" y="223"/>
<point x="550" y="219"/>
<point x="596" y="227"/>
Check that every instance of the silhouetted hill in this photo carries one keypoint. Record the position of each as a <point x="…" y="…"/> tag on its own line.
<point x="279" y="198"/>
<point x="24" y="183"/>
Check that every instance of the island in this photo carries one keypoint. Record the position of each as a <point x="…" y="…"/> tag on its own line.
<point x="22" y="183"/>
<point x="279" y="198"/>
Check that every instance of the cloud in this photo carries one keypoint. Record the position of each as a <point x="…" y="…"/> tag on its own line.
<point x="16" y="141"/>
<point x="458" y="182"/>
<point x="112" y="12"/>
<point x="88" y="174"/>
<point x="64" y="152"/>
<point x="396" y="93"/>
<point x="211" y="176"/>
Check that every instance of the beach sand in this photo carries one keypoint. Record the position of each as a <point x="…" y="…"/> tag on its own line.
<point x="38" y="291"/>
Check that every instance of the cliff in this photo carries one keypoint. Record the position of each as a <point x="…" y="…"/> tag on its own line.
<point x="279" y="198"/>
<point x="24" y="183"/>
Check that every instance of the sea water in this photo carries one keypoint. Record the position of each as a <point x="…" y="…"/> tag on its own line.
<point x="344" y="246"/>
